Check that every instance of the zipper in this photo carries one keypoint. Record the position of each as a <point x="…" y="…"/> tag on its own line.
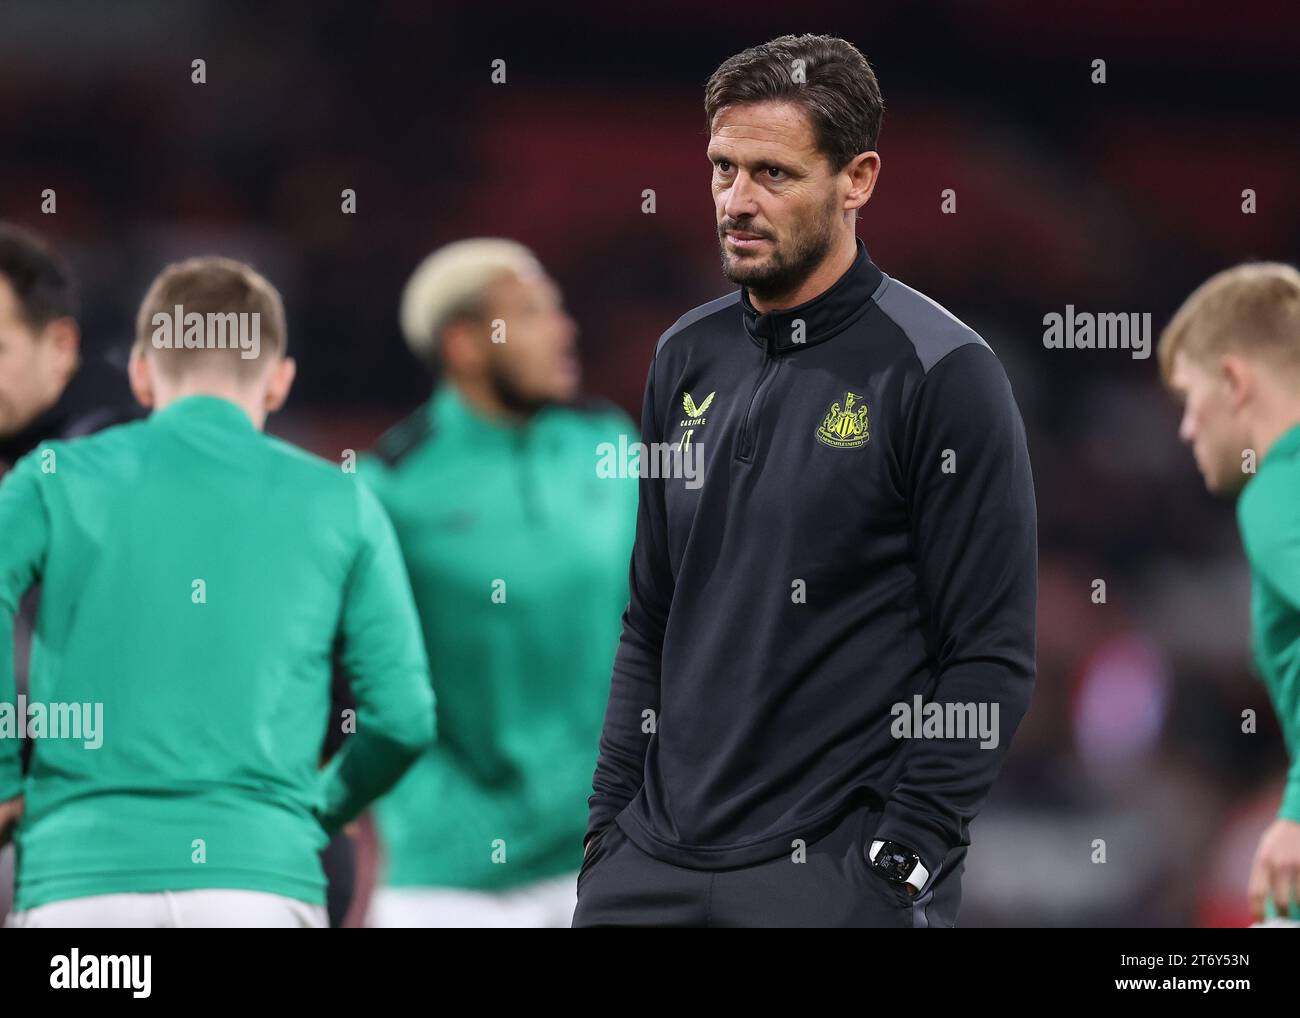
<point x="745" y="448"/>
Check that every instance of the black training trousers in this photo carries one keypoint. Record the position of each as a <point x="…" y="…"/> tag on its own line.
<point x="828" y="883"/>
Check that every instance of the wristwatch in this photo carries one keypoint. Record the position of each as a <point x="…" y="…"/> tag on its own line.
<point x="901" y="865"/>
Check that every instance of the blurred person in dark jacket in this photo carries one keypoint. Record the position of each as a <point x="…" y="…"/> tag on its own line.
<point x="48" y="388"/>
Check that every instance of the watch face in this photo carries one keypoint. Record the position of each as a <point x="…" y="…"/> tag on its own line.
<point x="895" y="862"/>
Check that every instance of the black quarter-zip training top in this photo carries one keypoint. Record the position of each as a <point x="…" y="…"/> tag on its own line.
<point x="864" y="533"/>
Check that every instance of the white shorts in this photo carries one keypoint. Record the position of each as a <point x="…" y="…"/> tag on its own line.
<point x="545" y="903"/>
<point x="173" y="910"/>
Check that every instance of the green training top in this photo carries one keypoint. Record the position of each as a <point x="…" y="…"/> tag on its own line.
<point x="198" y="578"/>
<point x="518" y="552"/>
<point x="1269" y="518"/>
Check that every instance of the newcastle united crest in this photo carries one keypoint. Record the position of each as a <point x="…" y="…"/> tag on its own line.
<point x="845" y="427"/>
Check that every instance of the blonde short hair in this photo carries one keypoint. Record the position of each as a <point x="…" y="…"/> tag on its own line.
<point x="450" y="284"/>
<point x="1253" y="308"/>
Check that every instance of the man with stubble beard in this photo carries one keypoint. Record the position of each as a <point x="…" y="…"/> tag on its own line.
<point x="830" y="641"/>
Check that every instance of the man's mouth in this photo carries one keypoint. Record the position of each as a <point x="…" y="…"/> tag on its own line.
<point x="745" y="241"/>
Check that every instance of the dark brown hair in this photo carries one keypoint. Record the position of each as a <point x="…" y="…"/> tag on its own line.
<point x="827" y="77"/>
<point x="40" y="279"/>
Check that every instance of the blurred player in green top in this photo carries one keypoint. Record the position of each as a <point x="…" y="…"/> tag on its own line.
<point x="198" y="580"/>
<point x="518" y="545"/>
<point x="1232" y="354"/>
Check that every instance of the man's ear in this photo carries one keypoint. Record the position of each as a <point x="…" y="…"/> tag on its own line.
<point x="279" y="384"/>
<point x="64" y="338"/>
<point x="461" y="349"/>
<point x="140" y="372"/>
<point x="863" y="171"/>
<point x="1239" y="376"/>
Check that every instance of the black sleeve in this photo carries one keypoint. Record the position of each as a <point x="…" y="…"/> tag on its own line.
<point x="634" y="687"/>
<point x="974" y="534"/>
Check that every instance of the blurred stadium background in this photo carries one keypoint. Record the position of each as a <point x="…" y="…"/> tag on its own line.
<point x="1112" y="197"/>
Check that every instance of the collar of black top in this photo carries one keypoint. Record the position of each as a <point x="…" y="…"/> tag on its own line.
<point x="818" y="319"/>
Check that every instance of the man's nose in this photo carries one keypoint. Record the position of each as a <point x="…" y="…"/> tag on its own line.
<point x="739" y="198"/>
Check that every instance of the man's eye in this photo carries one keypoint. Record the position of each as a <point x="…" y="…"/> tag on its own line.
<point x="722" y="165"/>
<point x="775" y="173"/>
